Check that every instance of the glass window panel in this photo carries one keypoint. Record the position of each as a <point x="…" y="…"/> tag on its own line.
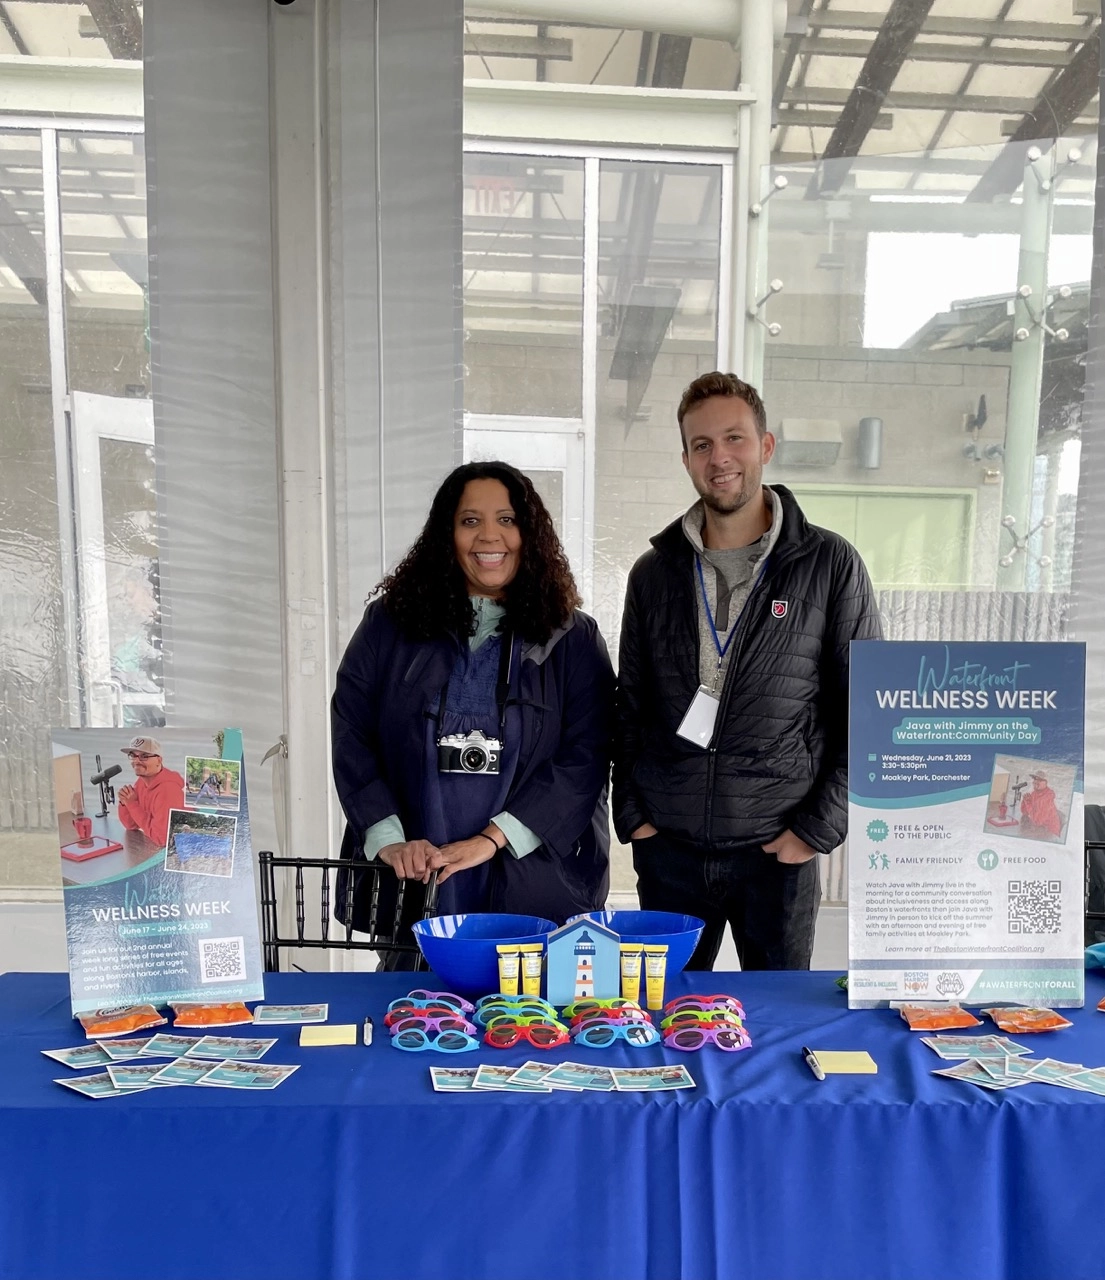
<point x="523" y="285"/>
<point x="659" y="261"/>
<point x="31" y="631"/>
<point x="130" y="570"/>
<point x="960" y="324"/>
<point x="103" y="199"/>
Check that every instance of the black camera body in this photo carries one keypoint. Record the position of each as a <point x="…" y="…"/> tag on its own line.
<point x="468" y="753"/>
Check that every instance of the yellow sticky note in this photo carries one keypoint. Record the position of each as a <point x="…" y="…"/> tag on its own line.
<point x="339" y="1033"/>
<point x="846" y="1063"/>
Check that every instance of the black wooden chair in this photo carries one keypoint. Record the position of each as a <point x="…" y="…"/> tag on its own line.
<point x="315" y="883"/>
<point x="1095" y="874"/>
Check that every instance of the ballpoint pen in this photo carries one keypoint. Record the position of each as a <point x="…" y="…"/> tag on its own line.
<point x="812" y="1063"/>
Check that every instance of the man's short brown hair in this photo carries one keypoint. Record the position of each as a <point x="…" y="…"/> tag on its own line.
<point x="708" y="385"/>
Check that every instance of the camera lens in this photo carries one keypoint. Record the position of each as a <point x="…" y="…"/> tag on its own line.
<point x="473" y="759"/>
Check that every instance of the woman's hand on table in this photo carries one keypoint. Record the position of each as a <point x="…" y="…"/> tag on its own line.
<point x="462" y="854"/>
<point x="412" y="860"/>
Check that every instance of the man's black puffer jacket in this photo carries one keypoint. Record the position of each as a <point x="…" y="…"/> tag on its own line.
<point x="779" y="756"/>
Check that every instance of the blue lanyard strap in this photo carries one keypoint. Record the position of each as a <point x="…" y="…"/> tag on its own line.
<point x="723" y="649"/>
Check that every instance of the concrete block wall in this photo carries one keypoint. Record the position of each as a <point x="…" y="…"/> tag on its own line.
<point x="921" y="399"/>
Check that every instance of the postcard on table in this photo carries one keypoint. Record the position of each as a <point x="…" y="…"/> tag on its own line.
<point x="84" y="1055"/>
<point x="167" y="1045"/>
<point x="285" y="1013"/>
<point x="221" y="1047"/>
<point x="453" y="1079"/>
<point x="489" y="1077"/>
<point x="579" y="1075"/>
<point x="245" y="1075"/>
<point x="956" y="1048"/>
<point x="99" y="1086"/>
<point x="123" y="1050"/>
<point x="975" y="1073"/>
<point x="134" y="1075"/>
<point x="535" y="1073"/>
<point x="183" y="1071"/>
<point x="649" y="1079"/>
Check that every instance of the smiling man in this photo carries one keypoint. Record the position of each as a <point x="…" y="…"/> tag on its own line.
<point x="730" y="774"/>
<point x="144" y="805"/>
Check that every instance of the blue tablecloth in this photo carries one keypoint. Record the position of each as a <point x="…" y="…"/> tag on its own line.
<point x="355" y="1169"/>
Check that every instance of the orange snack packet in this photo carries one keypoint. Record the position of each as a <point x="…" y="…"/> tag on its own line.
<point x="936" y="1017"/>
<point x="1018" y="1020"/>
<point x="1101" y="1004"/>
<point x="119" y="1020"/>
<point x="210" y="1015"/>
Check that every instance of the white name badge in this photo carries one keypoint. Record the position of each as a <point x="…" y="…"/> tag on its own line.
<point x="697" y="725"/>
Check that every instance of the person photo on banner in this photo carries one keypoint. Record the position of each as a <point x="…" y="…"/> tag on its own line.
<point x="144" y="805"/>
<point x="472" y="716"/>
<point x="1040" y="817"/>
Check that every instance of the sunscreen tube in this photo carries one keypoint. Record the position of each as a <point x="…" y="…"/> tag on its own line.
<point x="531" y="967"/>
<point x="656" y="966"/>
<point x="631" y="971"/>
<point x="509" y="961"/>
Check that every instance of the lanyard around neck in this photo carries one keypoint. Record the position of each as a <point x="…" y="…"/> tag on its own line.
<point x="723" y="649"/>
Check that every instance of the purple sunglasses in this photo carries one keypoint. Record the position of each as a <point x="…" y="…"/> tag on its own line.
<point x="415" y="1022"/>
<point x="443" y="997"/>
<point x="725" y="1037"/>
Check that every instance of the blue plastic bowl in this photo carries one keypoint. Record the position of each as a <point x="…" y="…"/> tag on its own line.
<point x="679" y="933"/>
<point x="461" y="949"/>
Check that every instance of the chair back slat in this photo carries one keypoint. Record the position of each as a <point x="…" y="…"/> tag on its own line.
<point x="304" y="872"/>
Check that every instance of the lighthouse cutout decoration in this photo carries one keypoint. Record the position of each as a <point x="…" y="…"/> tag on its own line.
<point x="583" y="962"/>
<point x="585" y="971"/>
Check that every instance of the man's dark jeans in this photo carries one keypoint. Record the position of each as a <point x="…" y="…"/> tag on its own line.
<point x="771" y="906"/>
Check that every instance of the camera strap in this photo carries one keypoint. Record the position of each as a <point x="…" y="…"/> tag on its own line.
<point x="502" y="685"/>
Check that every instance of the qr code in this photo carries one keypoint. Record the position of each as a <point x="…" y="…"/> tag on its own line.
<point x="222" y="959"/>
<point x="1034" y="906"/>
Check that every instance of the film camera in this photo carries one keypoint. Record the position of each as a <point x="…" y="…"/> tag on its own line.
<point x="468" y="753"/>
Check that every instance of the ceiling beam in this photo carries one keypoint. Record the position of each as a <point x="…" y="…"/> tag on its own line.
<point x="487" y="44"/>
<point x="922" y="51"/>
<point x="1057" y="107"/>
<point x="13" y="32"/>
<point x="889" y="50"/>
<point x="977" y="103"/>
<point x="942" y="25"/>
<point x="120" y="25"/>
<point x="793" y="116"/>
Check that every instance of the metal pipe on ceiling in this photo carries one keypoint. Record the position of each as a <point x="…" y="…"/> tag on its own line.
<point x="708" y="19"/>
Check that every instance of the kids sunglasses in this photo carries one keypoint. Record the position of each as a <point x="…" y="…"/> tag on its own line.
<point x="704" y="1002"/>
<point x="598" y="1034"/>
<point x="407" y="1010"/>
<point x="499" y="998"/>
<point x="523" y="1009"/>
<point x="442" y="997"/>
<point x="418" y="1023"/>
<point x="544" y="1035"/>
<point x="522" y="1020"/>
<point x="592" y="1004"/>
<point x="610" y="1015"/>
<point x="690" y="1038"/>
<point x="417" y="1039"/>
<point x="700" y="1017"/>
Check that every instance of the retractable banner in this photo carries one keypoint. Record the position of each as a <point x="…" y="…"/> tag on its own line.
<point x="156" y="866"/>
<point x="965" y="836"/>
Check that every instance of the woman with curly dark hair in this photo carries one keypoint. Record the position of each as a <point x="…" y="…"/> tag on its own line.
<point x="472" y="714"/>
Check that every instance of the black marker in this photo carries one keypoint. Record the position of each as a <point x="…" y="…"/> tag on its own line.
<point x="368" y="1030"/>
<point x="812" y="1063"/>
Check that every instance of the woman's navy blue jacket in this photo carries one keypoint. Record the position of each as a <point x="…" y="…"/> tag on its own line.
<point x="386" y="687"/>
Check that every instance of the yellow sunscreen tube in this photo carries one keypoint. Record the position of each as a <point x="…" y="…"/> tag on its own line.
<point x="631" y="971"/>
<point x="509" y="962"/>
<point x="656" y="966"/>
<point x="531" y="967"/>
